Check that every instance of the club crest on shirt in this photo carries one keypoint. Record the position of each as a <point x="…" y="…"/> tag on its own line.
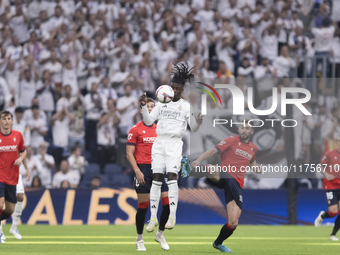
<point x="0" y="140"/>
<point x="251" y="148"/>
<point x="14" y="139"/>
<point x="144" y="131"/>
<point x="239" y="144"/>
<point x="180" y="107"/>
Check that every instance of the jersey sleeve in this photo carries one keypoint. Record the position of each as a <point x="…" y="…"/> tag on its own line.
<point x="326" y="158"/>
<point x="150" y="118"/>
<point x="132" y="136"/>
<point x="21" y="143"/>
<point x="224" y="145"/>
<point x="191" y="119"/>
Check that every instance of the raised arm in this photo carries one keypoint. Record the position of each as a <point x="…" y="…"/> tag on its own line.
<point x="148" y="118"/>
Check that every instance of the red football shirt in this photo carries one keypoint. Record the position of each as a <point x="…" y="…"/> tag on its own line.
<point x="332" y="159"/>
<point x="10" y="146"/>
<point x="236" y="156"/>
<point x="142" y="137"/>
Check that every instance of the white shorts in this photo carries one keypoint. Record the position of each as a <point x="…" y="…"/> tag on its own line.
<point x="20" y="186"/>
<point x="166" y="155"/>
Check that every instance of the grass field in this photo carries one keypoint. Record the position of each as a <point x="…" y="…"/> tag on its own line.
<point x="183" y="239"/>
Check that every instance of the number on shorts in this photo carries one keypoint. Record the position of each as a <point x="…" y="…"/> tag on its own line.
<point x="329" y="195"/>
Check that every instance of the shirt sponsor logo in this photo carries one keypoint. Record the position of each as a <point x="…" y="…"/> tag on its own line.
<point x="149" y="139"/>
<point x="221" y="143"/>
<point x="8" y="148"/>
<point x="130" y="136"/>
<point x="243" y="153"/>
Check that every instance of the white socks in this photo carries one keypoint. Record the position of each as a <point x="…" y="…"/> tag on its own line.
<point x="173" y="197"/>
<point x="155" y="194"/>
<point x="17" y="214"/>
<point x="139" y="237"/>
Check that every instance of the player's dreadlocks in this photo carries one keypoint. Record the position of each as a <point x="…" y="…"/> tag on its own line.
<point x="182" y="73"/>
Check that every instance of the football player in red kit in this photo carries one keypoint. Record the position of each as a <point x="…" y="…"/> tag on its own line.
<point x="12" y="153"/>
<point x="237" y="155"/>
<point x="138" y="150"/>
<point x="331" y="183"/>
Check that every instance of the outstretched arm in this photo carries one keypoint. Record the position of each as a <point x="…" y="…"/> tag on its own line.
<point x="255" y="168"/>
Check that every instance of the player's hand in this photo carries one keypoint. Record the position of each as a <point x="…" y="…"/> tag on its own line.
<point x="27" y="175"/>
<point x="195" y="164"/>
<point x="259" y="169"/>
<point x="140" y="178"/>
<point x="199" y="118"/>
<point x="143" y="99"/>
<point x="18" y="162"/>
<point x="329" y="177"/>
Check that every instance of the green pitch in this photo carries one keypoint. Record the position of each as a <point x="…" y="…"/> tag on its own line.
<point x="183" y="239"/>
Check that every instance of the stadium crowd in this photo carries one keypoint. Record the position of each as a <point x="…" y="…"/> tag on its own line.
<point x="72" y="71"/>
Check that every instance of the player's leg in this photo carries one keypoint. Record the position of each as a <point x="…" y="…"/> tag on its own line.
<point x="332" y="202"/>
<point x="2" y="203"/>
<point x="234" y="213"/>
<point x="158" y="170"/>
<point x="143" y="205"/>
<point x="336" y="225"/>
<point x="173" y="165"/>
<point x="164" y="217"/>
<point x="18" y="209"/>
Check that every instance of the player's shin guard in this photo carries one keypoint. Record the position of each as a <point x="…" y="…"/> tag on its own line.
<point x="336" y="225"/>
<point x="140" y="216"/>
<point x="17" y="214"/>
<point x="173" y="197"/>
<point x="165" y="213"/>
<point x="155" y="193"/>
<point x="328" y="214"/>
<point x="5" y="215"/>
<point x="225" y="232"/>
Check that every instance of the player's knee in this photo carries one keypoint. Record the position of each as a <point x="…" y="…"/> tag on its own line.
<point x="172" y="177"/>
<point x="20" y="197"/>
<point x="158" y="177"/>
<point x="233" y="224"/>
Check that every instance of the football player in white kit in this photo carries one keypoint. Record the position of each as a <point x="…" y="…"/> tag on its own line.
<point x="173" y="118"/>
<point x="20" y="125"/>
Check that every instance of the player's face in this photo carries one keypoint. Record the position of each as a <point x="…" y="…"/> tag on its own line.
<point x="150" y="106"/>
<point x="178" y="89"/>
<point x="6" y="121"/>
<point x="245" y="132"/>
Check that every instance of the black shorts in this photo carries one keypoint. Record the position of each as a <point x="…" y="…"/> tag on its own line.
<point x="333" y="196"/>
<point x="148" y="177"/>
<point x="232" y="190"/>
<point x="9" y="192"/>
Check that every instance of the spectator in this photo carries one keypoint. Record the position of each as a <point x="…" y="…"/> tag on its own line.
<point x="301" y="47"/>
<point x="106" y="139"/>
<point x="5" y="95"/>
<point x="270" y="42"/>
<point x="84" y="69"/>
<point x="65" y="174"/>
<point x="66" y="101"/>
<point x="33" y="164"/>
<point x="70" y="78"/>
<point x="323" y="41"/>
<point x="37" y="125"/>
<point x="60" y="131"/>
<point x="77" y="162"/>
<point x="105" y="91"/>
<point x="29" y="113"/>
<point x="120" y="78"/>
<point x="47" y="163"/>
<point x="264" y="75"/>
<point x="36" y="182"/>
<point x="27" y="84"/>
<point x="65" y="185"/>
<point x="127" y="106"/>
<point x="95" y="182"/>
<point x="284" y="63"/>
<point x="18" y="23"/>
<point x="96" y="78"/>
<point x="46" y="93"/>
<point x="21" y="125"/>
<point x="77" y="126"/>
<point x="93" y="106"/>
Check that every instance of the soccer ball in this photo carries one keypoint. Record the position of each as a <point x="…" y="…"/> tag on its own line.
<point x="164" y="94"/>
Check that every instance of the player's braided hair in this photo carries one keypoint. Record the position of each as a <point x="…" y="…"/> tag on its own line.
<point x="182" y="73"/>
